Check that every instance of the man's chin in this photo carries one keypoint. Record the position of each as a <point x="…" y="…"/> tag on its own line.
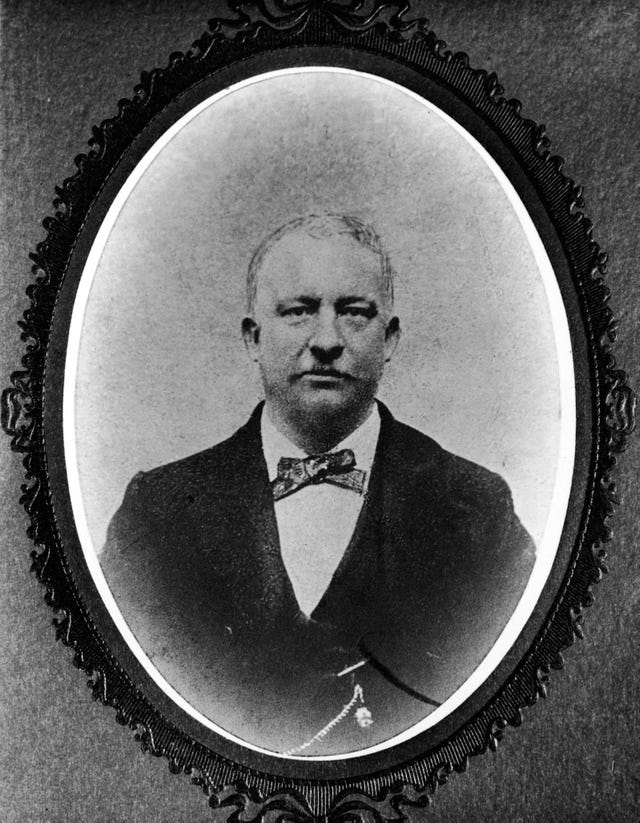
<point x="320" y="406"/>
<point x="324" y="401"/>
<point x="319" y="419"/>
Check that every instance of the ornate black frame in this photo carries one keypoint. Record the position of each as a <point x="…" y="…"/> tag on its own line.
<point x="377" y="37"/>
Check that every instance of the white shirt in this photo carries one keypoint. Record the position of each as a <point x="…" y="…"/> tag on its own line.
<point x="315" y="523"/>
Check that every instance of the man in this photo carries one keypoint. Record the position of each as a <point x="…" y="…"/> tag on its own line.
<point x="327" y="576"/>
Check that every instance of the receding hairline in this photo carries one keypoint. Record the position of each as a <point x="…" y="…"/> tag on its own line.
<point x="323" y="226"/>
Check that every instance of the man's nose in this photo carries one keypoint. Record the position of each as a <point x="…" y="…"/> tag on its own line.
<point x="326" y="341"/>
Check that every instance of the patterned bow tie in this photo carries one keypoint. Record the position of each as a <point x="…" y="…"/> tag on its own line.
<point x="337" y="468"/>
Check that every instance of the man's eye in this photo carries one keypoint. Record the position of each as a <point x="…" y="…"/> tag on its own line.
<point x="296" y="311"/>
<point x="359" y="311"/>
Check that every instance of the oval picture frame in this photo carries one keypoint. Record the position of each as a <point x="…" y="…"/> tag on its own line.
<point x="375" y="44"/>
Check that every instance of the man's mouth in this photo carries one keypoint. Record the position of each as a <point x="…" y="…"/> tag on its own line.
<point x="327" y="375"/>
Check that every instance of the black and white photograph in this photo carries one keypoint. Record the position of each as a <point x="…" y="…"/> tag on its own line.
<point x="342" y="449"/>
<point x="318" y="380"/>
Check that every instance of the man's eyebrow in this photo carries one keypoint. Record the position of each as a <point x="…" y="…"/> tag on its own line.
<point x="304" y="299"/>
<point x="349" y="300"/>
<point x="356" y="298"/>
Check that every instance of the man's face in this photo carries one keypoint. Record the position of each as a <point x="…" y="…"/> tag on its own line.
<point x="320" y="333"/>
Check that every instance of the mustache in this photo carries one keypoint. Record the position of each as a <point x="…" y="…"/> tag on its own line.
<point x="323" y="371"/>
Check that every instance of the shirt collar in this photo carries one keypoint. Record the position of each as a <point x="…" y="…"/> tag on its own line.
<point x="362" y="442"/>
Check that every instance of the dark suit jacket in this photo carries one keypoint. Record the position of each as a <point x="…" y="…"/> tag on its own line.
<point x="432" y="573"/>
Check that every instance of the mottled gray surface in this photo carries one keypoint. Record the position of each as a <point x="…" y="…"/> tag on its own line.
<point x="575" y="67"/>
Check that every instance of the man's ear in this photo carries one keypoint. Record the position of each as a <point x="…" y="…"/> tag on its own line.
<point x="392" y="336"/>
<point x="251" y="336"/>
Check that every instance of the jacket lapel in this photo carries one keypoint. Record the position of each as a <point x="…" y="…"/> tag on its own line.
<point x="247" y="550"/>
<point x="386" y="563"/>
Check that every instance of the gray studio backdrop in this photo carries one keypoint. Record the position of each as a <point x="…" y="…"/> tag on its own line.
<point x="162" y="371"/>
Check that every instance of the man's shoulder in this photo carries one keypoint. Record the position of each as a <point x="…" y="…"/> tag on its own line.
<point x="209" y="467"/>
<point x="462" y="507"/>
<point x="426" y="460"/>
<point x="220" y="454"/>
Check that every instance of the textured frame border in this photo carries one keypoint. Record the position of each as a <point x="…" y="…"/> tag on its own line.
<point x="367" y="26"/>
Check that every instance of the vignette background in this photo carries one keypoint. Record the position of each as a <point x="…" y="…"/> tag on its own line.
<point x="162" y="371"/>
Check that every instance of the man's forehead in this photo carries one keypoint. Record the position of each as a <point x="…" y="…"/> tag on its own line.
<point x="300" y="259"/>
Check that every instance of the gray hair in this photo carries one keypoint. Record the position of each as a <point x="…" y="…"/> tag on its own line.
<point x="320" y="226"/>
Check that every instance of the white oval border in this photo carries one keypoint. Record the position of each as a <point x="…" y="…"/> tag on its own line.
<point x="551" y="538"/>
